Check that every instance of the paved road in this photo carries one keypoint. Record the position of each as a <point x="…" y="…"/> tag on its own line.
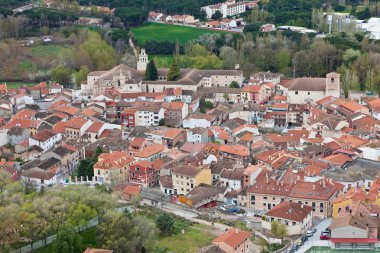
<point x="314" y="240"/>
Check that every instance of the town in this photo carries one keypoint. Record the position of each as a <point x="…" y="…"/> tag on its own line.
<point x="189" y="127"/>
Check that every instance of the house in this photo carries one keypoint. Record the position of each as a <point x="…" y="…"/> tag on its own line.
<point x="173" y="137"/>
<point x="16" y="135"/>
<point x="76" y="127"/>
<point x="18" y="102"/>
<point x="150" y="153"/>
<point x="128" y="117"/>
<point x="92" y="250"/>
<point x="267" y="77"/>
<point x="267" y="193"/>
<point x="296" y="217"/>
<point x="175" y="113"/>
<point x="94" y="131"/>
<point x="228" y="8"/>
<point x="186" y="177"/>
<point x="112" y="168"/>
<point x="233" y="241"/>
<point x="305" y="90"/>
<point x="143" y="173"/>
<point x="267" y="28"/>
<point x="41" y="172"/>
<point x="355" y="232"/>
<point x="131" y="191"/>
<point x="166" y="184"/>
<point x="253" y="93"/>
<point x="44" y="139"/>
<point x="232" y="178"/>
<point x="237" y="153"/>
<point x="198" y="135"/>
<point x="198" y="120"/>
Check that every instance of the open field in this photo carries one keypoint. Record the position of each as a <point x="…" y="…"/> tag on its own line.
<point x="30" y="61"/>
<point x="162" y="60"/>
<point x="161" y="32"/>
<point x="194" y="238"/>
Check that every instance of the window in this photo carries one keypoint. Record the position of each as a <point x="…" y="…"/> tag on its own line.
<point x="308" y="93"/>
<point x="296" y="92"/>
<point x="265" y="197"/>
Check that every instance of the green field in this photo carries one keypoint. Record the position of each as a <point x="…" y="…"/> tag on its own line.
<point x="194" y="238"/>
<point x="162" y="60"/>
<point x="31" y="62"/>
<point x="160" y="32"/>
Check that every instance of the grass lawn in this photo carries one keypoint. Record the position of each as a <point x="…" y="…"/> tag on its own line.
<point x="162" y="60"/>
<point x="46" y="50"/>
<point x="14" y="85"/>
<point x="160" y="32"/>
<point x="195" y="237"/>
<point x="88" y="240"/>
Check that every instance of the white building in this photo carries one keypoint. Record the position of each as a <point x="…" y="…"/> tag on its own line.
<point x="228" y="8"/>
<point x="296" y="217"/>
<point x="149" y="116"/>
<point x="143" y="60"/>
<point x="198" y="120"/>
<point x="44" y="139"/>
<point x="309" y="90"/>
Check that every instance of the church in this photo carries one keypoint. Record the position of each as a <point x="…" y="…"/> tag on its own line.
<point x="308" y="90"/>
<point x="128" y="80"/>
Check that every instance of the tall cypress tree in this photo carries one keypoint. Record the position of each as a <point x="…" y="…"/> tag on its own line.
<point x="151" y="73"/>
<point x="174" y="71"/>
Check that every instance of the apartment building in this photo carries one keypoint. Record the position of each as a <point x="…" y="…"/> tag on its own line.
<point x="186" y="177"/>
<point x="267" y="193"/>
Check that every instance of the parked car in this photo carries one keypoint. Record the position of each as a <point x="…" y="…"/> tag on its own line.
<point x="233" y="210"/>
<point x="324" y="236"/>
<point x="304" y="238"/>
<point x="309" y="233"/>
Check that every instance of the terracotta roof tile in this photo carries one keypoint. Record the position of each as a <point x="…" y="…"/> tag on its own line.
<point x="290" y="211"/>
<point x="233" y="237"/>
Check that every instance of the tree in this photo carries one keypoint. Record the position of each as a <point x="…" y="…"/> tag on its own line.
<point x="61" y="75"/>
<point x="278" y="229"/>
<point x="67" y="241"/>
<point x="174" y="72"/>
<point x="132" y="16"/>
<point x="165" y="223"/>
<point x="151" y="73"/>
<point x="217" y="15"/>
<point x="81" y="75"/>
<point x="124" y="235"/>
<point x="234" y="84"/>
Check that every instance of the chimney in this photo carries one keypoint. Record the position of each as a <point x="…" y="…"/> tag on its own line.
<point x="324" y="184"/>
<point x="302" y="206"/>
<point x="313" y="187"/>
<point x="298" y="178"/>
<point x="282" y="183"/>
<point x="237" y="231"/>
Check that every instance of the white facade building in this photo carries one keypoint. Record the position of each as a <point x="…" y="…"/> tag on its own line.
<point x="229" y="8"/>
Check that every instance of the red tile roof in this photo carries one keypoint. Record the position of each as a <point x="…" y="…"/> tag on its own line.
<point x="290" y="211"/>
<point x="233" y="237"/>
<point x="95" y="127"/>
<point x="76" y="122"/>
<point x="150" y="151"/>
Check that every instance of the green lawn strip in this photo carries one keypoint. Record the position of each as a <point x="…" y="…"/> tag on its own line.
<point x="194" y="238"/>
<point x="329" y="250"/>
<point x="162" y="32"/>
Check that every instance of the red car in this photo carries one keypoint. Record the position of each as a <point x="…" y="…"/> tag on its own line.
<point x="324" y="237"/>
